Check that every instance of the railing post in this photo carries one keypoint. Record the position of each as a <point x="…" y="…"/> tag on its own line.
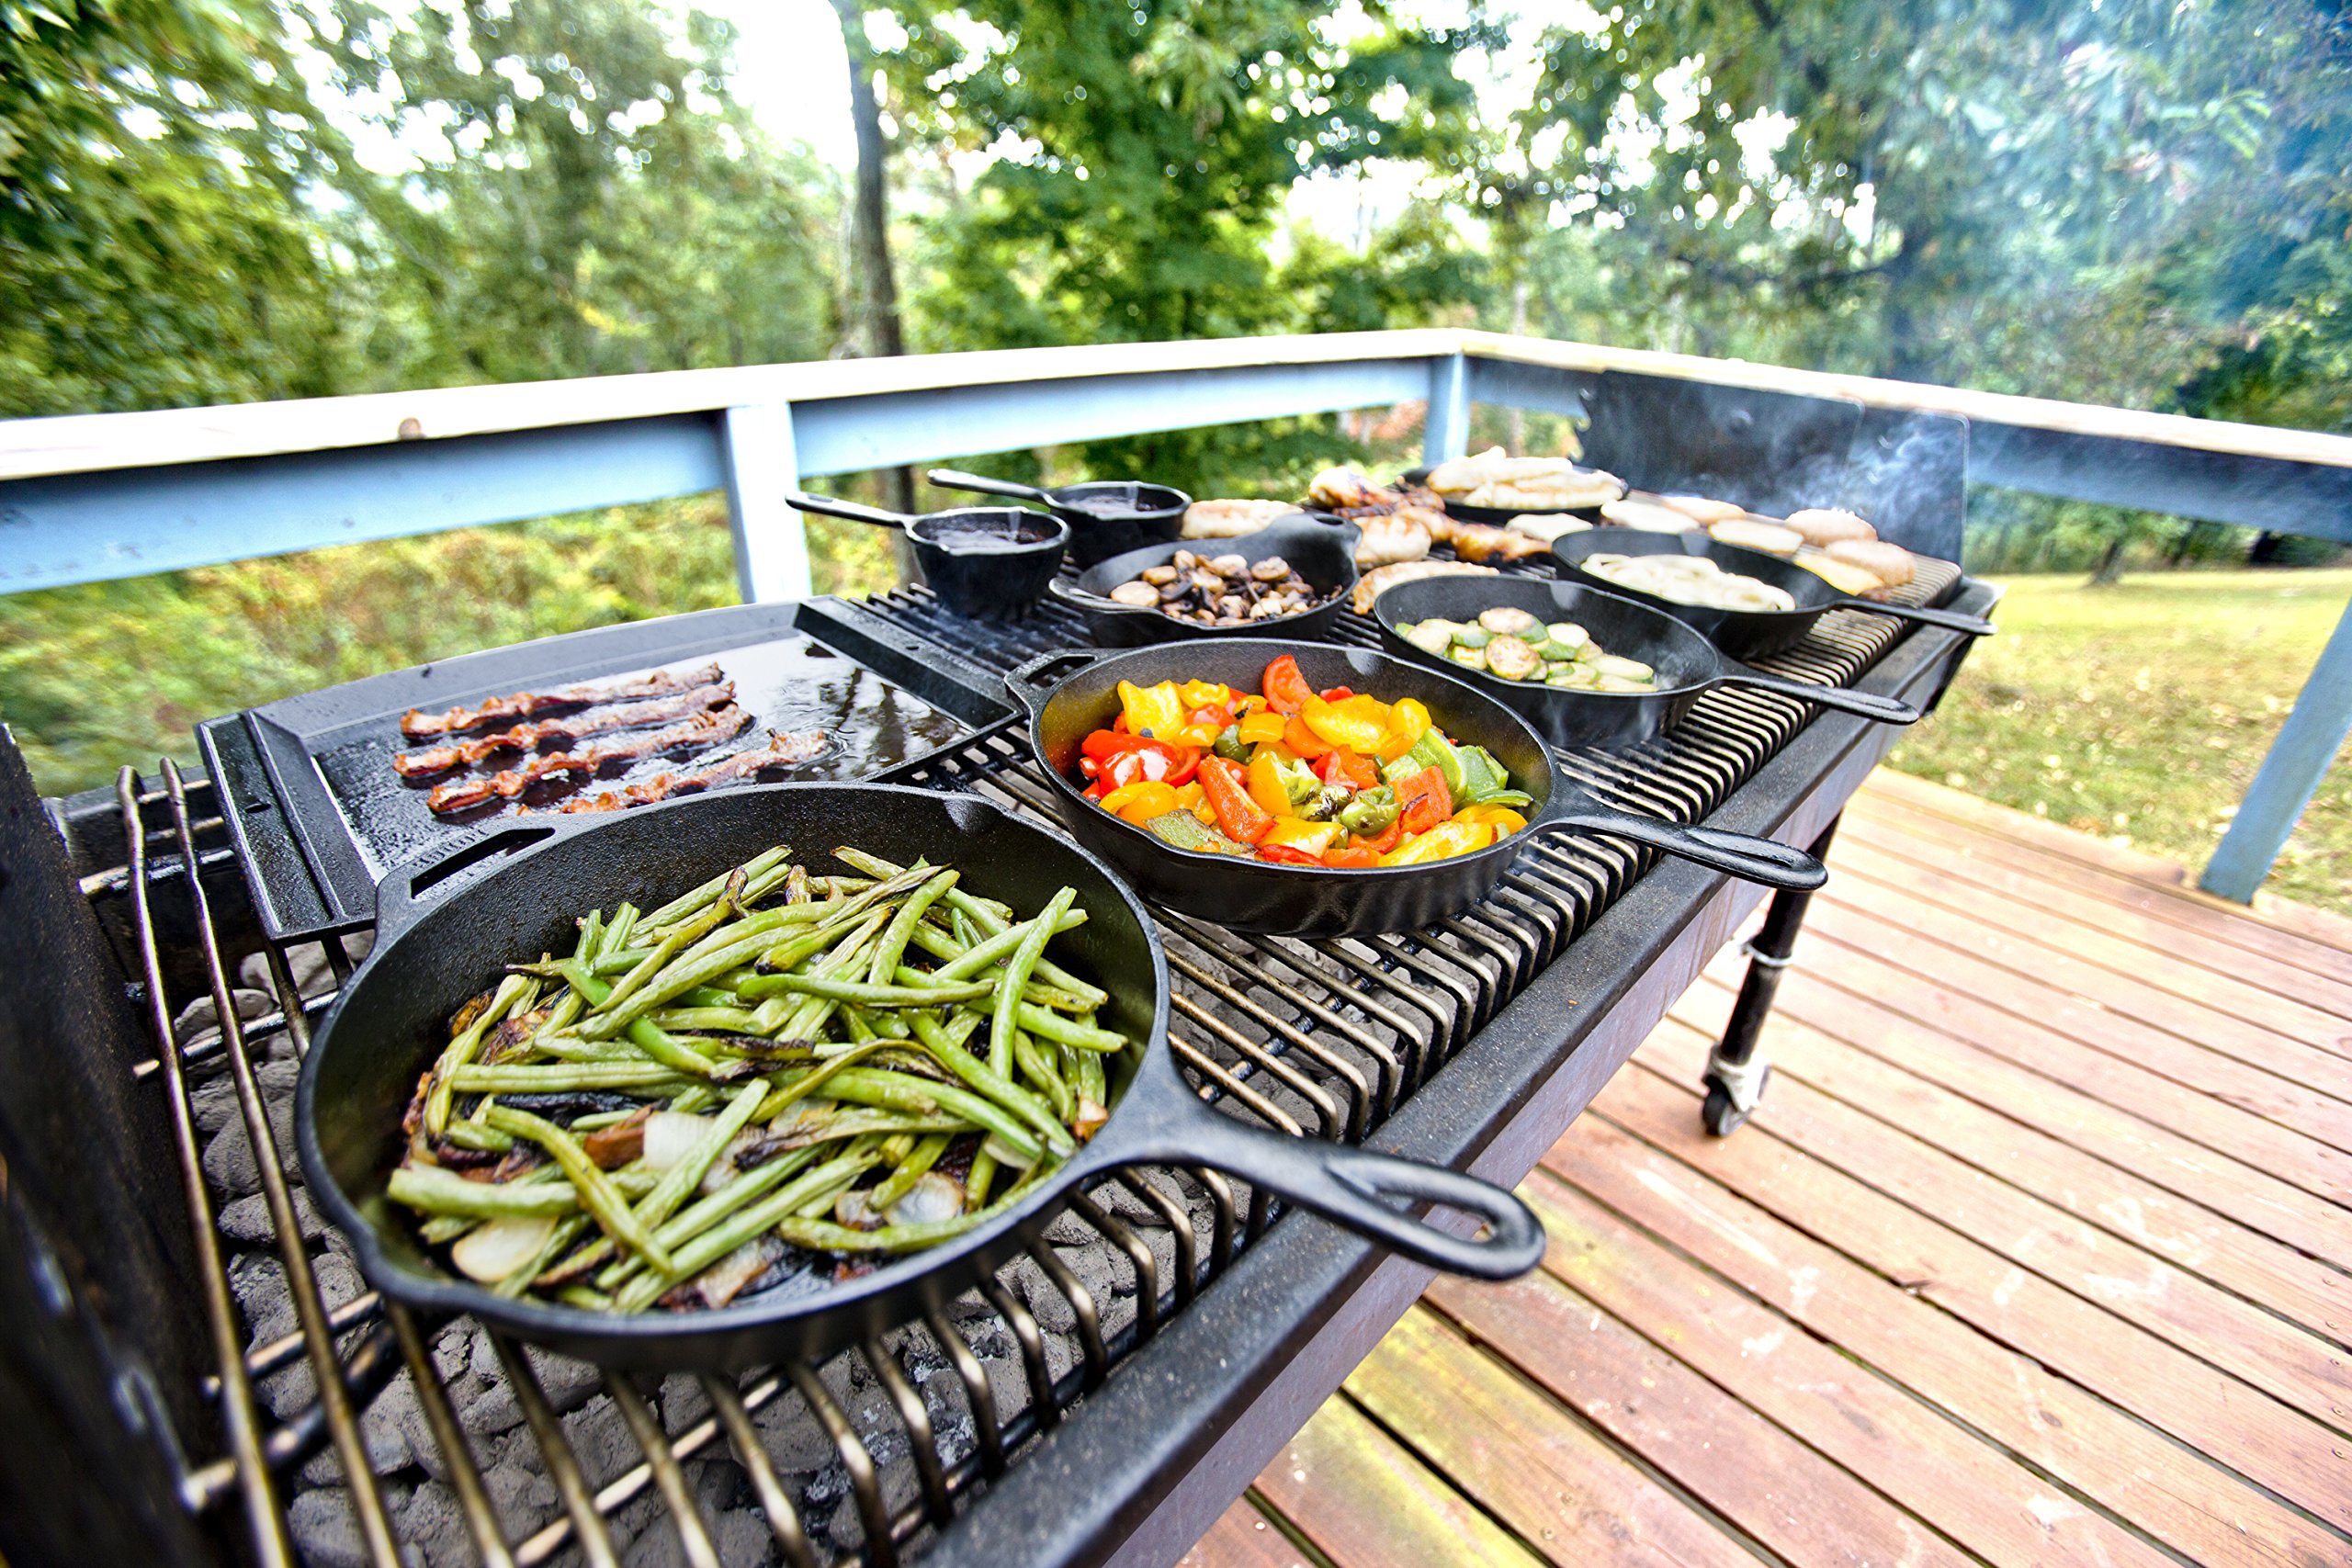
<point x="755" y="449"/>
<point x="1447" y="433"/>
<point x="2290" y="774"/>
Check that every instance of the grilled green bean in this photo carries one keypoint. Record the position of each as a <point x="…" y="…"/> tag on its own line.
<point x="1017" y="969"/>
<point x="597" y="1195"/>
<point x="434" y="1190"/>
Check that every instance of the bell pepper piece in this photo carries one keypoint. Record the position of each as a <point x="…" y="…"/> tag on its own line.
<point x="1283" y="854"/>
<point x="1502" y="819"/>
<point x="1241" y="818"/>
<point x="1139" y="803"/>
<point x="1408" y="720"/>
<point x="1483" y="780"/>
<point x="1435" y="750"/>
<point x="1441" y="842"/>
<point x="1264" y="781"/>
<point x="1151" y="710"/>
<point x="1380" y="843"/>
<point x="1425" y="801"/>
<point x="1187" y="831"/>
<point x="1338" y="693"/>
<point x="1356" y="723"/>
<point x="1353" y="769"/>
<point x="1303" y="740"/>
<point x="1350" y="857"/>
<point x="1286" y="689"/>
<point x="1261" y="726"/>
<point x="1204" y="693"/>
<point x="1297" y="833"/>
<point x="1191" y="798"/>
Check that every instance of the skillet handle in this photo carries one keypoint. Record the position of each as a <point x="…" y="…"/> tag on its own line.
<point x="1071" y="594"/>
<point x="1033" y="680"/>
<point x="406" y="892"/>
<point x="1355" y="1187"/>
<point x="827" y="506"/>
<point x="1948" y="620"/>
<point x="956" y="479"/>
<point x="1844" y="699"/>
<point x="1743" y="856"/>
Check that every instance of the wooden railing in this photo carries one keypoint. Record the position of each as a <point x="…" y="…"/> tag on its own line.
<point x="86" y="498"/>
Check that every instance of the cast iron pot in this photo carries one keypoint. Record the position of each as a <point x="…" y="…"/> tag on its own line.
<point x="1106" y="517"/>
<point x="1687" y="663"/>
<point x="1743" y="633"/>
<point x="1323" y="554"/>
<point x="1291" y="900"/>
<point x="432" y="954"/>
<point x="989" y="562"/>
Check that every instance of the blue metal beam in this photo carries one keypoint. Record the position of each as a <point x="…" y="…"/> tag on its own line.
<point x="2290" y="774"/>
<point x="758" y="450"/>
<point x="1446" y="435"/>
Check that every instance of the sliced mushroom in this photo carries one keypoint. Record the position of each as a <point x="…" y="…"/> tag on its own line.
<point x="1141" y="596"/>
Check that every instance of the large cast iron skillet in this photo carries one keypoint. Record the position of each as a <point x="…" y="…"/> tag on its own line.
<point x="1687" y="663"/>
<point x="1743" y="633"/>
<point x="1323" y="554"/>
<point x="432" y="954"/>
<point x="1256" y="896"/>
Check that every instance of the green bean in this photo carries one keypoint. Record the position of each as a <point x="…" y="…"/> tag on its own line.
<point x="921" y="1096"/>
<point x="890" y="1024"/>
<point x="1041" y="996"/>
<point x="687" y="1224"/>
<point x="463" y="1049"/>
<point x="693" y="1099"/>
<point x="559" y="1078"/>
<point x="597" y="1194"/>
<point x="978" y="1179"/>
<point x="717" y="1243"/>
<point x="784" y="1094"/>
<point x="819" y="1236"/>
<point x="618" y="929"/>
<point x="650" y="1038"/>
<point x="582" y="1296"/>
<point x="669" y="947"/>
<point x="987" y="951"/>
<point x="984" y="1080"/>
<point x="1068" y="1031"/>
<point x="686" y="1175"/>
<point x="1016" y="974"/>
<point x="572" y="1048"/>
<point x="911" y="1167"/>
<point x="689" y="902"/>
<point x="902" y="925"/>
<point x="983" y="910"/>
<point x="434" y="1190"/>
<point x="1033" y="1061"/>
<point x="473" y="1135"/>
<point x="722" y="1019"/>
<point x="441" y="1229"/>
<point x="866" y="994"/>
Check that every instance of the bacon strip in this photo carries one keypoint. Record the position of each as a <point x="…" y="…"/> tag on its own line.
<point x="416" y="723"/>
<point x="531" y="737"/>
<point x="781" y="752"/>
<point x="703" y="729"/>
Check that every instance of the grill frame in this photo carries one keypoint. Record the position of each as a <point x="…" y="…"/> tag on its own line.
<point x="1483" y="996"/>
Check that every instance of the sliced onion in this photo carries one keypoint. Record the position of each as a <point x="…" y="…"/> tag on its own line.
<point x="671" y="1136"/>
<point x="724" y="1279"/>
<point x="932" y="1197"/>
<point x="724" y="1169"/>
<point x="851" y="1209"/>
<point x="492" y="1251"/>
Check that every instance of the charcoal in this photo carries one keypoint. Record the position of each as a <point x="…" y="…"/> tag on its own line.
<point x="213" y="1104"/>
<point x="433" y="1524"/>
<point x="1051" y="1307"/>
<point x="390" y="1427"/>
<point x="522" y="1497"/>
<point x="682" y="1402"/>
<point x="201" y="1018"/>
<point x="743" y="1538"/>
<point x="248" y="1220"/>
<point x="325" y="1530"/>
<point x="228" y="1158"/>
<point x="601" y="1438"/>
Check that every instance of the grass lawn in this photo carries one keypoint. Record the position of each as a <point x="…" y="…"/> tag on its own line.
<point x="2140" y="713"/>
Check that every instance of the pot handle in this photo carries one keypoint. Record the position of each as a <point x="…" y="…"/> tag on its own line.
<point x="406" y="892"/>
<point x="1946" y="620"/>
<point x="1071" y="594"/>
<point x="1030" y="682"/>
<point x="827" y="506"/>
<point x="1356" y="1187"/>
<point x="1844" y="699"/>
<point x="956" y="478"/>
<point x="1743" y="856"/>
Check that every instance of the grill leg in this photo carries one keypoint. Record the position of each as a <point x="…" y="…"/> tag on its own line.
<point x="1736" y="1071"/>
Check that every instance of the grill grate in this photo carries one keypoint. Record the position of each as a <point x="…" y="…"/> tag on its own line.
<point x="490" y="1453"/>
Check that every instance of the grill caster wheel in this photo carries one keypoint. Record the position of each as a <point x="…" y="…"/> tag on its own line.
<point x="1721" y="1117"/>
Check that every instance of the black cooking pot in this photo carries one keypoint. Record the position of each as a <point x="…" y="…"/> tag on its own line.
<point x="1292" y="900"/>
<point x="989" y="562"/>
<point x="1743" y="633"/>
<point x="1324" y="555"/>
<point x="390" y="1022"/>
<point x="1106" y="517"/>
<point x="1687" y="664"/>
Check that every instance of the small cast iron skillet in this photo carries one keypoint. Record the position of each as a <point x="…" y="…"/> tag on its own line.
<point x="1687" y="663"/>
<point x="1324" y="555"/>
<point x="1743" y="633"/>
<point x="1496" y="516"/>
<point x="1106" y="517"/>
<point x="1256" y="896"/>
<point x="432" y="954"/>
<point x="989" y="562"/>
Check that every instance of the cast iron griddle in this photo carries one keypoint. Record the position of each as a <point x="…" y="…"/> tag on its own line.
<point x="310" y="794"/>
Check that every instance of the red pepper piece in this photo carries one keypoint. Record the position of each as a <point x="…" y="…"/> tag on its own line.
<point x="1338" y="694"/>
<point x="1380" y="843"/>
<point x="1350" y="768"/>
<point x="1285" y="686"/>
<point x="1349" y="858"/>
<point x="1425" y="800"/>
<point x="1283" y="854"/>
<point x="1303" y="740"/>
<point x="1229" y="796"/>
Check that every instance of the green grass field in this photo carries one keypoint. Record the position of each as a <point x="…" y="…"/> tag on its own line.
<point x="2140" y="713"/>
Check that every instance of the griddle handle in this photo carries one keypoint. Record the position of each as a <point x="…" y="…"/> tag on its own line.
<point x="1751" y="858"/>
<point x="1359" y="1189"/>
<point x="1844" y="699"/>
<point x="956" y="479"/>
<point x="1033" y="681"/>
<point x="1946" y="620"/>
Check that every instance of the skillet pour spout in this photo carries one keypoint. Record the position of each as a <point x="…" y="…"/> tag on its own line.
<point x="440" y="940"/>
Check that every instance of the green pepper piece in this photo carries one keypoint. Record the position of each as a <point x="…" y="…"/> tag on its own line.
<point x="1370" y="812"/>
<point x="1187" y="831"/>
<point x="1230" y="745"/>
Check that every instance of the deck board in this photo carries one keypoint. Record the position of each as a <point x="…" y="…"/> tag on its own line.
<point x="2037" y="1251"/>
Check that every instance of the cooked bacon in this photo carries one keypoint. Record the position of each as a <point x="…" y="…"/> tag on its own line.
<point x="416" y="723"/>
<point x="531" y="737"/>
<point x="781" y="752"/>
<point x="703" y="729"/>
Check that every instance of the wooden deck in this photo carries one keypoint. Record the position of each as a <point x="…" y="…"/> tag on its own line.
<point x="2036" y="1253"/>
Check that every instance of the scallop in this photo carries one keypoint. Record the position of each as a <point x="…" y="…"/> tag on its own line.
<point x="1141" y="596"/>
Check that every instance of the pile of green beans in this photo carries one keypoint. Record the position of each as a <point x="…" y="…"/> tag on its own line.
<point x="844" y="1044"/>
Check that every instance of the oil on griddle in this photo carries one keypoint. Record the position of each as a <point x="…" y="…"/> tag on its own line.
<point x="789" y="684"/>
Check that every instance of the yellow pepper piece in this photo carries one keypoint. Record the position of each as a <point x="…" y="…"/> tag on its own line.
<point x="1298" y="833"/>
<point x="1201" y="734"/>
<point x="1156" y="711"/>
<point x="1265" y="781"/>
<point x="1356" y="724"/>
<point x="1444" y="841"/>
<point x="1261" y="726"/>
<point x="1407" y="722"/>
<point x="1246" y="704"/>
<point x="1502" y="819"/>
<point x="1205" y="694"/>
<point x="1193" y="798"/>
<point x="1139" y="803"/>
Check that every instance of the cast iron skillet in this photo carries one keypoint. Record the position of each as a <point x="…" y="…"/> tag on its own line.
<point x="1256" y="896"/>
<point x="1142" y="514"/>
<point x="431" y="954"/>
<point x="989" y="562"/>
<point x="1743" y="633"/>
<point x="1325" y="555"/>
<point x="1496" y="516"/>
<point x="1687" y="663"/>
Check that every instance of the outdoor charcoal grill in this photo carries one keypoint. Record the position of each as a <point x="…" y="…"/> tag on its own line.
<point x="994" y="1433"/>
